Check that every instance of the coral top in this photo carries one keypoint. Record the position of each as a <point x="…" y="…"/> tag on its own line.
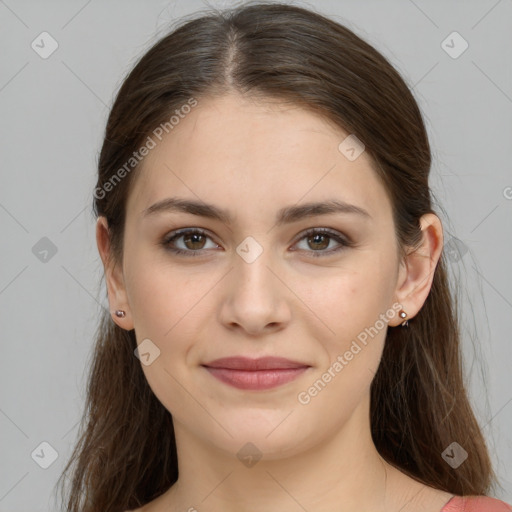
<point x="476" y="504"/>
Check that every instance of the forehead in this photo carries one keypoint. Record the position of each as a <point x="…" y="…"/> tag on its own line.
<point x="241" y="152"/>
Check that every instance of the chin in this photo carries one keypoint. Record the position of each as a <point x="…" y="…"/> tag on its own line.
<point x="270" y="434"/>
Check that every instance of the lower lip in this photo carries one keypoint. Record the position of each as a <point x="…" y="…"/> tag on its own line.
<point x="256" y="379"/>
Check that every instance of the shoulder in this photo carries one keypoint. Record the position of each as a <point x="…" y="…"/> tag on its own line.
<point x="476" y="504"/>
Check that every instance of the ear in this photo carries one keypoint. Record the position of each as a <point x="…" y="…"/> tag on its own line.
<point x="117" y="296"/>
<point x="417" y="270"/>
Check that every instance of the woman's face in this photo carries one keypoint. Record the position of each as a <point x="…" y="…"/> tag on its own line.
<point x="253" y="284"/>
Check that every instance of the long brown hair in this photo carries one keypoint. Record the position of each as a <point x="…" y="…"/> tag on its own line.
<point x="126" y="453"/>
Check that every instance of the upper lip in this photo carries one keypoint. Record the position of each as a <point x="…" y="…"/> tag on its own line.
<point x="248" y="364"/>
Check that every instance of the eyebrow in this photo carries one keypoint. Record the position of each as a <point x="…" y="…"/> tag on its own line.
<point x="285" y="215"/>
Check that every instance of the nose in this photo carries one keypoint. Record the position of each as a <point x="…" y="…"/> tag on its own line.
<point x="256" y="299"/>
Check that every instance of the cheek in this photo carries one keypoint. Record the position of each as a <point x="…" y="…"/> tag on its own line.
<point x="349" y="300"/>
<point x="354" y="307"/>
<point x="166" y="305"/>
<point x="350" y="306"/>
<point x="163" y="297"/>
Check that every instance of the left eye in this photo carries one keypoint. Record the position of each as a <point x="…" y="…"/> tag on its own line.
<point x="321" y="238"/>
<point x="194" y="240"/>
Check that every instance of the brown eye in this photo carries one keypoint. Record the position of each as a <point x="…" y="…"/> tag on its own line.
<point x="194" y="241"/>
<point x="318" y="241"/>
<point x="189" y="242"/>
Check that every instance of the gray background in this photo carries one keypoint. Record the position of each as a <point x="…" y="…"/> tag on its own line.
<point x="53" y="117"/>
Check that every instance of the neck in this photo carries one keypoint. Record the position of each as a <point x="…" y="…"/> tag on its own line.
<point x="343" y="472"/>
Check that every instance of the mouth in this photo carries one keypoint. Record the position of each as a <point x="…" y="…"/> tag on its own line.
<point x="255" y="374"/>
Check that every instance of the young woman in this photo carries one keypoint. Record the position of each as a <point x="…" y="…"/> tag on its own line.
<point x="282" y="334"/>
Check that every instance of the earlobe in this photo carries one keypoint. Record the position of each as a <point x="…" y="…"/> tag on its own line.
<point x="113" y="277"/>
<point x="417" y="272"/>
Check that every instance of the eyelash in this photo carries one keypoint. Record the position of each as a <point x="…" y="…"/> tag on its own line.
<point x="344" y="242"/>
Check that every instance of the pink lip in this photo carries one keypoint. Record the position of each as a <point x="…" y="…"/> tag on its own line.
<point x="256" y="374"/>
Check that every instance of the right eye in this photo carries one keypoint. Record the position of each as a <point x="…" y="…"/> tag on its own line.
<point x="191" y="239"/>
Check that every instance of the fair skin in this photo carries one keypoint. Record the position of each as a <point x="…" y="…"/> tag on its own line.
<point x="252" y="159"/>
